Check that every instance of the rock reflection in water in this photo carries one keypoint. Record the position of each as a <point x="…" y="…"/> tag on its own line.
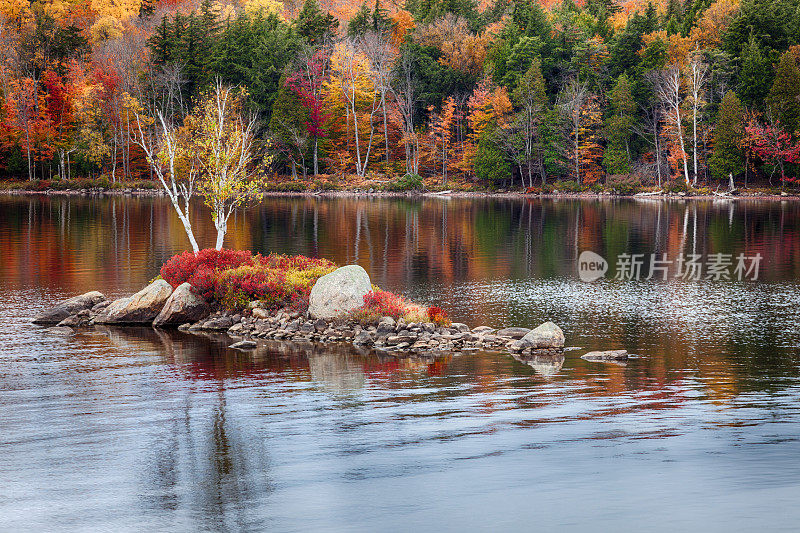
<point x="544" y="365"/>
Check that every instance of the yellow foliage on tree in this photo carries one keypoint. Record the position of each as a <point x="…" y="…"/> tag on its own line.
<point x="351" y="93"/>
<point x="488" y="105"/>
<point x="15" y="11"/>
<point x="104" y="29"/>
<point x="441" y="129"/>
<point x="714" y="22"/>
<point x="461" y="49"/>
<point x="119" y="9"/>
<point x="403" y="22"/>
<point x="678" y="47"/>
<point x="265" y="7"/>
<point x="220" y="135"/>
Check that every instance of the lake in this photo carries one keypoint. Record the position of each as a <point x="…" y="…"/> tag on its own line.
<point x="133" y="429"/>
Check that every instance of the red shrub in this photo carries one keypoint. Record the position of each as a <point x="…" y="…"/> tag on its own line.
<point x="385" y="303"/>
<point x="438" y="316"/>
<point x="294" y="262"/>
<point x="247" y="283"/>
<point x="235" y="278"/>
<point x="200" y="269"/>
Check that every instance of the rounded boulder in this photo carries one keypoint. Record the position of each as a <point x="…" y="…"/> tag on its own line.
<point x="548" y="335"/>
<point x="339" y="292"/>
<point x="182" y="306"/>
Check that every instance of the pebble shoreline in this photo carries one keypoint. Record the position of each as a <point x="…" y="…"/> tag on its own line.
<point x="388" y="335"/>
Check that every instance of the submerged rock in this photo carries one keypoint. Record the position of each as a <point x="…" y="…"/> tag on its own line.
<point x="216" y="323"/>
<point x="339" y="292"/>
<point x="607" y="355"/>
<point x="183" y="305"/>
<point x="64" y="309"/>
<point x="548" y="335"/>
<point x="141" y="308"/>
<point x="243" y="345"/>
<point x="546" y="365"/>
<point x="60" y="330"/>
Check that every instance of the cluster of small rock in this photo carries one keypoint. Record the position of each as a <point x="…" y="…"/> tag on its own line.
<point x="387" y="335"/>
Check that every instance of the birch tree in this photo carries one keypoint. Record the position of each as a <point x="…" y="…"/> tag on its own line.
<point x="381" y="56"/>
<point x="221" y="138"/>
<point x="571" y="101"/>
<point x="697" y="74"/>
<point x="531" y="96"/>
<point x="404" y="94"/>
<point x="165" y="154"/>
<point x="669" y="91"/>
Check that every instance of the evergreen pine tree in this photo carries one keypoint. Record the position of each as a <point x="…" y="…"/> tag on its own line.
<point x="360" y="23"/>
<point x="162" y="43"/>
<point x="618" y="124"/>
<point x="727" y="158"/>
<point x="490" y="162"/>
<point x="755" y="74"/>
<point x="784" y="97"/>
<point x="314" y="25"/>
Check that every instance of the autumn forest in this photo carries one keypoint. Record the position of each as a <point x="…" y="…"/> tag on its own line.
<point x="580" y="95"/>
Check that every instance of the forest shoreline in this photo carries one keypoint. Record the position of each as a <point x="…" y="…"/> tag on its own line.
<point x="759" y="195"/>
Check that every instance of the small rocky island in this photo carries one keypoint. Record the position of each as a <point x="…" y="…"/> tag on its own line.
<point x="292" y="298"/>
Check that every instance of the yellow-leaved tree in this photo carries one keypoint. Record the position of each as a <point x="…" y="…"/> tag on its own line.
<point x="119" y="9"/>
<point x="16" y="12"/>
<point x="351" y="94"/>
<point x="220" y="135"/>
<point x="265" y="7"/>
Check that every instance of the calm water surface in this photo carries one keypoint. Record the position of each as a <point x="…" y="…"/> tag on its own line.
<point x="136" y="429"/>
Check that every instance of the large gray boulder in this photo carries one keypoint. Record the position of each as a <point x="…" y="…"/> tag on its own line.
<point x="141" y="308"/>
<point x="339" y="292"/>
<point x="548" y="335"/>
<point x="182" y="306"/>
<point x="56" y="314"/>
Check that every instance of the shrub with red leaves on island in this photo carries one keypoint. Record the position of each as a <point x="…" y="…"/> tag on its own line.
<point x="201" y="269"/>
<point x="275" y="280"/>
<point x="438" y="316"/>
<point x="378" y="304"/>
<point x="234" y="278"/>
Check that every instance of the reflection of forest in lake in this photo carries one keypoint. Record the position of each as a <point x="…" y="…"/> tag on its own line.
<point x="68" y="242"/>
